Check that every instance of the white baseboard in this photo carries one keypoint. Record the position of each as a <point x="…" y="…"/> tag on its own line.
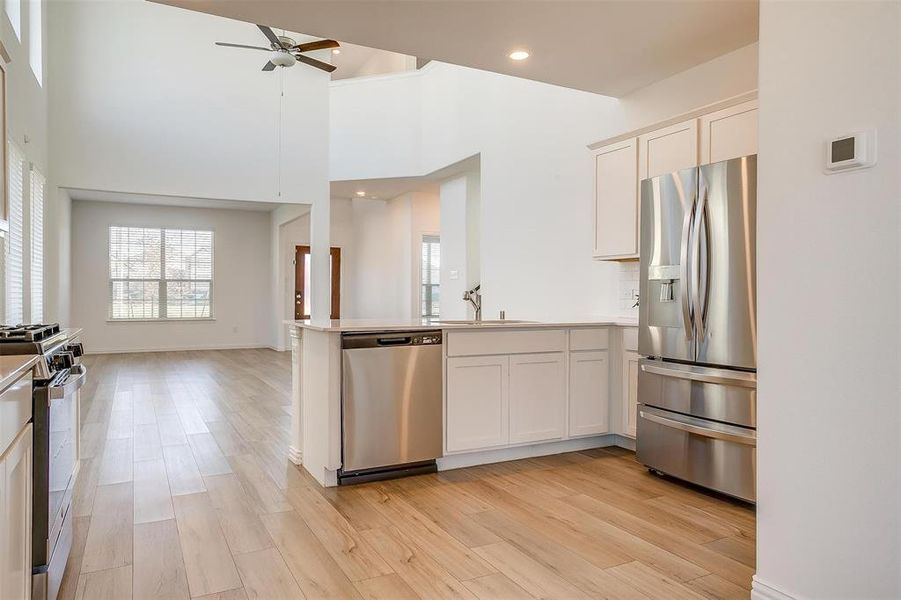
<point x="484" y="457"/>
<point x="765" y="591"/>
<point x="295" y="455"/>
<point x="626" y="442"/>
<point x="179" y="349"/>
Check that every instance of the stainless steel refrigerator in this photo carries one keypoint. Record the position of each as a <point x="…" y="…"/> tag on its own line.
<point x="697" y="381"/>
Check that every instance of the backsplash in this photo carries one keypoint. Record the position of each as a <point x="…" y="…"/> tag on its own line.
<point x="628" y="289"/>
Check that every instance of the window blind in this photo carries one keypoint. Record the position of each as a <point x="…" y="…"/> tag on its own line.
<point x="160" y="273"/>
<point x="37" y="246"/>
<point x="431" y="276"/>
<point x="15" y="274"/>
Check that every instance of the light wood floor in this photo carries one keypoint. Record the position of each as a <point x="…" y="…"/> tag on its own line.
<point x="185" y="492"/>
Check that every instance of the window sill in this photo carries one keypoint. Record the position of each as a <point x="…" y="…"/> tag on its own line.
<point x="191" y="320"/>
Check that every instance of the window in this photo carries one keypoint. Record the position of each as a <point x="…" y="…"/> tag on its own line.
<point x="36" y="39"/>
<point x="15" y="272"/>
<point x="160" y="273"/>
<point x="37" y="246"/>
<point x="431" y="275"/>
<point x="14" y="12"/>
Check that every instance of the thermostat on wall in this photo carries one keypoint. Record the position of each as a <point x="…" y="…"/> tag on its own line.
<point x="851" y="152"/>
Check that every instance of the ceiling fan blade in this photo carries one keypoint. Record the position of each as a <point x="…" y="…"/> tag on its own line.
<point x="315" y="63"/>
<point x="270" y="35"/>
<point x="269" y="66"/>
<point x="319" y="45"/>
<point x="243" y="46"/>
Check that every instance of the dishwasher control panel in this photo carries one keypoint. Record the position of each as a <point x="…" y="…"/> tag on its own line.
<point x="430" y="338"/>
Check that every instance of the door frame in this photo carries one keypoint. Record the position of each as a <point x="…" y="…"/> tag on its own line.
<point x="299" y="275"/>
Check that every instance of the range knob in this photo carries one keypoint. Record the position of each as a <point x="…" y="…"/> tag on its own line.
<point x="63" y="360"/>
<point x="76" y="348"/>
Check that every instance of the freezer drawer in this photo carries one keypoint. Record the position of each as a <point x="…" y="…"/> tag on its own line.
<point x="716" y="394"/>
<point x="713" y="455"/>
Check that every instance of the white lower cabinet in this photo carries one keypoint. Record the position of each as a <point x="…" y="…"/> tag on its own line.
<point x="537" y="397"/>
<point x="477" y="402"/>
<point x="15" y="517"/>
<point x="630" y="392"/>
<point x="589" y="405"/>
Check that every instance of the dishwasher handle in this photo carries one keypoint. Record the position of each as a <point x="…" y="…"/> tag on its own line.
<point x="394" y="341"/>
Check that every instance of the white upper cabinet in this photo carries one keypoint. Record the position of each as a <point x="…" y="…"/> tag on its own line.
<point x="620" y="166"/>
<point x="616" y="200"/>
<point x="537" y="397"/>
<point x="669" y="149"/>
<point x="477" y="402"/>
<point x="729" y="133"/>
<point x="589" y="406"/>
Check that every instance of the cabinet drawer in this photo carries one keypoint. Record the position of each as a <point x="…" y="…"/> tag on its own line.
<point x="501" y="341"/>
<point x="15" y="410"/>
<point x="630" y="339"/>
<point x="589" y="339"/>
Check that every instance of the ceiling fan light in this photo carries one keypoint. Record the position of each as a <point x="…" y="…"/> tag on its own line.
<point x="282" y="59"/>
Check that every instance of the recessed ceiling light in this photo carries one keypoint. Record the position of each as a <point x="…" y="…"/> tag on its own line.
<point x="361" y="193"/>
<point x="336" y="51"/>
<point x="519" y="55"/>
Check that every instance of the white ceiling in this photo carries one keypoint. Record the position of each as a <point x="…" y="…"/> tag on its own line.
<point x="609" y="47"/>
<point x="382" y="189"/>
<point x="352" y="58"/>
<point x="158" y="200"/>
<point x="392" y="187"/>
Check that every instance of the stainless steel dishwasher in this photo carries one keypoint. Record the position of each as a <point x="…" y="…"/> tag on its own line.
<point x="391" y="421"/>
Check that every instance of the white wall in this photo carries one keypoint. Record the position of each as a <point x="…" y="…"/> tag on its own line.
<point x="387" y="235"/>
<point x="829" y="461"/>
<point x="535" y="171"/>
<point x="27" y="119"/>
<point x="242" y="290"/>
<point x="168" y="112"/>
<point x="456" y="262"/>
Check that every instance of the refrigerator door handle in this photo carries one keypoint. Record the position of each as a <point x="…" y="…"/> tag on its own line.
<point x="685" y="283"/>
<point x="701" y="374"/>
<point x="699" y="262"/>
<point x="702" y="427"/>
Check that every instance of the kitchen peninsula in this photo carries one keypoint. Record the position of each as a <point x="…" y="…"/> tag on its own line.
<point x="509" y="389"/>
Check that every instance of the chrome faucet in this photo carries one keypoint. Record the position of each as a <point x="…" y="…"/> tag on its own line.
<point x="475" y="299"/>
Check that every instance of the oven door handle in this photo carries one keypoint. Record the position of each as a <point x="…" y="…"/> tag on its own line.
<point x="716" y="431"/>
<point x="77" y="376"/>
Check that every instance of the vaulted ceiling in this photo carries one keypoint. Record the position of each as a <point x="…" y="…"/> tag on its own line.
<point x="609" y="47"/>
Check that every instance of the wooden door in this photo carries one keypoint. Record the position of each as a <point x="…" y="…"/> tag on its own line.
<point x="669" y="149"/>
<point x="16" y="501"/>
<point x="729" y="133"/>
<point x="537" y="397"/>
<point x="616" y="201"/>
<point x="477" y="402"/>
<point x="588" y="392"/>
<point x="630" y="392"/>
<point x="301" y="283"/>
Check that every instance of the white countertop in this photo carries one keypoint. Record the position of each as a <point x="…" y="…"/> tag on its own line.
<point x="13" y="367"/>
<point x="346" y="325"/>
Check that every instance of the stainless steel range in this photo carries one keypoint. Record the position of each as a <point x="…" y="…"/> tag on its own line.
<point x="57" y="379"/>
<point x="697" y="386"/>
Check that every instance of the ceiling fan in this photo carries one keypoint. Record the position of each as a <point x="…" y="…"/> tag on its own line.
<point x="284" y="51"/>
